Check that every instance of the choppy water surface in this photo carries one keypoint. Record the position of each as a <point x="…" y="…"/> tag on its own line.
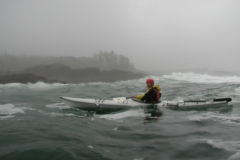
<point x="35" y="124"/>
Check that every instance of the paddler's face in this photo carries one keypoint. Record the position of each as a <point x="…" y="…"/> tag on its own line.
<point x="149" y="85"/>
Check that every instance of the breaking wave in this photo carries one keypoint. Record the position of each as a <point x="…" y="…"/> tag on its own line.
<point x="202" y="78"/>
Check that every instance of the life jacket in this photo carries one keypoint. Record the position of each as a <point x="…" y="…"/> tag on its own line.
<point x="158" y="94"/>
<point x="157" y="89"/>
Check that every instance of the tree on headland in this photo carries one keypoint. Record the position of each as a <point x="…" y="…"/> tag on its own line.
<point x="102" y="61"/>
<point x="112" y="61"/>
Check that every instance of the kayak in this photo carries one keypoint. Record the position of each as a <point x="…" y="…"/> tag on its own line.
<point x="115" y="103"/>
<point x="126" y="103"/>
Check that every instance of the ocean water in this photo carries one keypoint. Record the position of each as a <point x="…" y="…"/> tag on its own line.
<point x="36" y="124"/>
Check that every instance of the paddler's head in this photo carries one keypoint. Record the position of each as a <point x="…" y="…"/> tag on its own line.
<point x="149" y="82"/>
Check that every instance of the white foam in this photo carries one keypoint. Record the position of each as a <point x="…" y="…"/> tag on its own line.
<point x="90" y="146"/>
<point x="44" y="86"/>
<point x="12" y="85"/>
<point x="63" y="114"/>
<point x="26" y="108"/>
<point x="5" y="117"/>
<point x="34" y="86"/>
<point x="8" y="111"/>
<point x="97" y="83"/>
<point x="202" y="78"/>
<point x="226" y="145"/>
<point x="57" y="106"/>
<point x="129" y="113"/>
<point x="225" y="119"/>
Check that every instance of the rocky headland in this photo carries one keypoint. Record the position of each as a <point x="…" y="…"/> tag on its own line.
<point x="59" y="73"/>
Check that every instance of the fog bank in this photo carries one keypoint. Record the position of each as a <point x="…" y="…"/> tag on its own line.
<point x="156" y="34"/>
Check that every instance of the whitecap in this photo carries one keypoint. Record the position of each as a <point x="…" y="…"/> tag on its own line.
<point x="233" y="119"/>
<point x="12" y="85"/>
<point x="90" y="146"/>
<point x="202" y="78"/>
<point x="9" y="109"/>
<point x="44" y="86"/>
<point x="97" y="83"/>
<point x="63" y="114"/>
<point x="5" y="117"/>
<point x="129" y="113"/>
<point x="57" y="106"/>
<point x="34" y="86"/>
<point x="27" y="108"/>
<point x="226" y="145"/>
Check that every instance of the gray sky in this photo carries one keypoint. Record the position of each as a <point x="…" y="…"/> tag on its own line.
<point x="154" y="34"/>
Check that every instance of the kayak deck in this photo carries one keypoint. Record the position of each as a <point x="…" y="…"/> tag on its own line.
<point x="200" y="104"/>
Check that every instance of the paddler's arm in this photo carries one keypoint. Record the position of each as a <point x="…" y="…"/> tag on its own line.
<point x="141" y="96"/>
<point x="148" y="94"/>
<point x="138" y="96"/>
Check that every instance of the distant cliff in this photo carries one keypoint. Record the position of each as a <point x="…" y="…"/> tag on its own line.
<point x="65" y="74"/>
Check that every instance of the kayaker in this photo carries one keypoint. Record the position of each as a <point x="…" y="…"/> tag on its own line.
<point x="152" y="95"/>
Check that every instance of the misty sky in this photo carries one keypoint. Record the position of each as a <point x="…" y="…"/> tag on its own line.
<point x="154" y="34"/>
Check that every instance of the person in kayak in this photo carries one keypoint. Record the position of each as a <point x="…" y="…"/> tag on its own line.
<point x="152" y="95"/>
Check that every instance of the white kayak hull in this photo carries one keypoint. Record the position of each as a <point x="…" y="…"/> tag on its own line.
<point x="85" y="103"/>
<point x="101" y="103"/>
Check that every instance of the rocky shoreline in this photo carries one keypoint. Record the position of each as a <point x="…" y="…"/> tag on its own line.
<point x="25" y="78"/>
<point x="58" y="73"/>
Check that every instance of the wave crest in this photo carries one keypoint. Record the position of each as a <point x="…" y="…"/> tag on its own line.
<point x="202" y="78"/>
